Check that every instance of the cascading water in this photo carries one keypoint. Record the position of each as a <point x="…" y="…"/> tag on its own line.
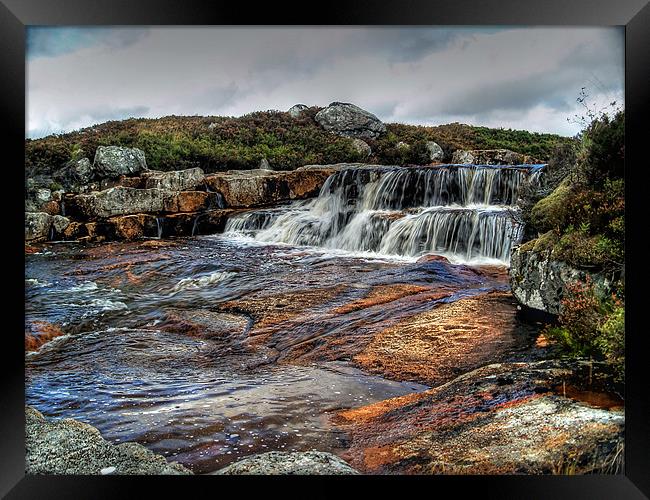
<point x="466" y="213"/>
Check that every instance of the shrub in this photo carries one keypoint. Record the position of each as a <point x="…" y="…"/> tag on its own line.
<point x="592" y="325"/>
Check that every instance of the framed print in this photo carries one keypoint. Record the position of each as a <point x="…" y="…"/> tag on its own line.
<point x="382" y="246"/>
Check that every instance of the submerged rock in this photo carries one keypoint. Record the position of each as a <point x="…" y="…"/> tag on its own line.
<point x="511" y="418"/>
<point x="290" y="463"/>
<point x="113" y="161"/>
<point x="349" y="120"/>
<point x="68" y="446"/>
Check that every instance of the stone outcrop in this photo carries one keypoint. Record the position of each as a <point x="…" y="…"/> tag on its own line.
<point x="130" y="227"/>
<point x="350" y="121"/>
<point x="539" y="282"/>
<point x="113" y="161"/>
<point x="247" y="188"/>
<point x="290" y="463"/>
<point x="178" y="180"/>
<point x="491" y="157"/>
<point x="127" y="201"/>
<point x="68" y="446"/>
<point x="37" y="225"/>
<point x="296" y="110"/>
<point x="361" y="147"/>
<point x="509" y="418"/>
<point x="75" y="174"/>
<point x="436" y="154"/>
<point x="265" y="165"/>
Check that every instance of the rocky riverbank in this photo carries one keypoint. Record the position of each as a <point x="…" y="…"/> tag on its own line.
<point x="68" y="446"/>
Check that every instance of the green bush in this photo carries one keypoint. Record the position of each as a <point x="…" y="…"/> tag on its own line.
<point x="592" y="325"/>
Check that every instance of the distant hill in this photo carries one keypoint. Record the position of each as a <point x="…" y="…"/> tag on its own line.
<point x="223" y="143"/>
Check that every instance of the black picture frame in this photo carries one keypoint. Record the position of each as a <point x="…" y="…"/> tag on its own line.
<point x="15" y="15"/>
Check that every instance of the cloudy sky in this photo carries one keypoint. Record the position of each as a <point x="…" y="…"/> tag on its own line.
<point x="511" y="77"/>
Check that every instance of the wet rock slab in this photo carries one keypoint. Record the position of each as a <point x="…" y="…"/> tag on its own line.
<point x="290" y="463"/>
<point x="71" y="447"/>
<point x="500" y="419"/>
<point x="247" y="188"/>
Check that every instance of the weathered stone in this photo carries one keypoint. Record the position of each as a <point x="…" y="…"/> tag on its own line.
<point x="75" y="173"/>
<point x="60" y="223"/>
<point x="350" y="121"/>
<point x="113" y="161"/>
<point x="265" y="165"/>
<point x="39" y="333"/>
<point x="436" y="154"/>
<point x="130" y="227"/>
<point x="462" y="157"/>
<point x="178" y="180"/>
<point x="247" y="188"/>
<point x="510" y="418"/>
<point x="539" y="282"/>
<point x="42" y="196"/>
<point x="296" y="110"/>
<point x="290" y="463"/>
<point x="71" y="447"/>
<point x="187" y="201"/>
<point x="361" y="147"/>
<point x="37" y="225"/>
<point x="51" y="207"/>
<point x="75" y="230"/>
<point x="121" y="181"/>
<point x="119" y="201"/>
<point x="491" y="157"/>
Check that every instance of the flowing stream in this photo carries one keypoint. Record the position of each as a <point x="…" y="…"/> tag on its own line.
<point x="128" y="365"/>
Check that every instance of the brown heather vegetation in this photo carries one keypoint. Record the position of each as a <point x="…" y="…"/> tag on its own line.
<point x="223" y="143"/>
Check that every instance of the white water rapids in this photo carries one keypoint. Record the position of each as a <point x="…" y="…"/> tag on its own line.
<point x="466" y="213"/>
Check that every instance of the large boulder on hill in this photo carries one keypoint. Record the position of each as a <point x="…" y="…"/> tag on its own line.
<point x="290" y="463"/>
<point x="436" y="154"/>
<point x="361" y="147"/>
<point x="37" y="225"/>
<point x="113" y="161"/>
<point x="178" y="180"/>
<point x="296" y="110"/>
<point x="491" y="157"/>
<point x="349" y="120"/>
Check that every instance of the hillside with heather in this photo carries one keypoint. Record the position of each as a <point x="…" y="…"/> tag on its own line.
<point x="287" y="141"/>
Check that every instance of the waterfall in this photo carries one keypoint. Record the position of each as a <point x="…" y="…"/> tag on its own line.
<point x="62" y="207"/>
<point x="195" y="224"/>
<point x="467" y="213"/>
<point x="160" y="227"/>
